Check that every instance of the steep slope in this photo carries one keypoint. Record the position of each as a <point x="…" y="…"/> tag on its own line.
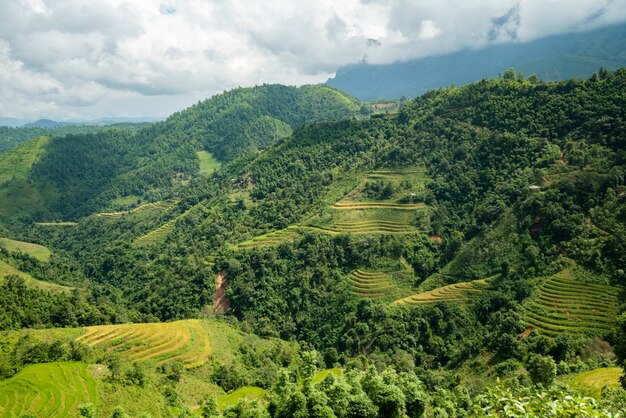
<point x="116" y="169"/>
<point x="553" y="58"/>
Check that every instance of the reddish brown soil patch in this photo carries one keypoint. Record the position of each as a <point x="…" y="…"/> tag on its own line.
<point x="527" y="332"/>
<point x="221" y="303"/>
<point x="435" y="238"/>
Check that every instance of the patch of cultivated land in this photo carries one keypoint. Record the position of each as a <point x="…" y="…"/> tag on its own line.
<point x="120" y="214"/>
<point x="373" y="285"/>
<point x="271" y="238"/>
<point x="593" y="381"/>
<point x="457" y="292"/>
<point x="208" y="163"/>
<point x="47" y="390"/>
<point x="564" y="304"/>
<point x="159" y="233"/>
<point x="37" y="251"/>
<point x="185" y="341"/>
<point x="246" y="392"/>
<point x="56" y="223"/>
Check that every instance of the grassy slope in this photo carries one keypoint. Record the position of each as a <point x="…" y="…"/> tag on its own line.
<point x="593" y="381"/>
<point x="15" y="166"/>
<point x="47" y="390"/>
<point x="37" y="251"/>
<point x="8" y="270"/>
<point x="208" y="163"/>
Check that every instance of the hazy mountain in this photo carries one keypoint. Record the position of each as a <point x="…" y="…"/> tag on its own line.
<point x="553" y="58"/>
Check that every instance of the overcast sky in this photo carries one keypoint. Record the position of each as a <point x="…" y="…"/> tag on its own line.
<point x="64" y="59"/>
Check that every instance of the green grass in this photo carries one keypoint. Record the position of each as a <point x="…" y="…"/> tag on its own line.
<point x="566" y="304"/>
<point x="16" y="163"/>
<point x="185" y="341"/>
<point x="246" y="392"/>
<point x="47" y="390"/>
<point x="208" y="163"/>
<point x="158" y="206"/>
<point x="62" y="224"/>
<point x="37" y="251"/>
<point x="158" y="234"/>
<point x="271" y="238"/>
<point x="321" y="375"/>
<point x="457" y="293"/>
<point x="593" y="381"/>
<point x="30" y="281"/>
<point x="17" y="194"/>
<point x="407" y="182"/>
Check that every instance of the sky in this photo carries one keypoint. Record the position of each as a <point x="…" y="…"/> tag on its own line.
<point x="86" y="59"/>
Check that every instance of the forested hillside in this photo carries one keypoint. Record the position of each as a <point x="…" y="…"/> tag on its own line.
<point x="477" y="234"/>
<point x="76" y="174"/>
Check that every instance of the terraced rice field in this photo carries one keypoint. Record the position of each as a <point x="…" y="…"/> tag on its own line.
<point x="47" y="390"/>
<point x="373" y="285"/>
<point x="37" y="251"/>
<point x="159" y="233"/>
<point x="64" y="224"/>
<point x="351" y="205"/>
<point x="564" y="304"/>
<point x="272" y="238"/>
<point x="373" y="227"/>
<point x="118" y="215"/>
<point x="458" y="292"/>
<point x="185" y="341"/>
<point x="593" y="381"/>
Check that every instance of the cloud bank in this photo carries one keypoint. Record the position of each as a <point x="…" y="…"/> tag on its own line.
<point x="92" y="58"/>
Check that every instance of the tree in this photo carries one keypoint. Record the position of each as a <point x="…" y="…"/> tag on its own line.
<point x="87" y="410"/>
<point x="542" y="370"/>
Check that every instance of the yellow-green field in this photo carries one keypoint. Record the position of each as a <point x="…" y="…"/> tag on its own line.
<point x="564" y="304"/>
<point x="158" y="234"/>
<point x="208" y="163"/>
<point x="146" y="206"/>
<point x="47" y="390"/>
<point x="272" y="238"/>
<point x="593" y="381"/>
<point x="37" y="251"/>
<point x="62" y="224"/>
<point x="373" y="285"/>
<point x="457" y="292"/>
<point x="246" y="392"/>
<point x="185" y="341"/>
<point x="15" y="163"/>
<point x="30" y="281"/>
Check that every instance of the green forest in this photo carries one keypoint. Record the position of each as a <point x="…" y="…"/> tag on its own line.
<point x="295" y="252"/>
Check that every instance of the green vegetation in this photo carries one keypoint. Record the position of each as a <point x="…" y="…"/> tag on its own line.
<point x="252" y="393"/>
<point x="457" y="292"/>
<point x="37" y="251"/>
<point x="15" y="164"/>
<point x="50" y="390"/>
<point x="373" y="285"/>
<point x="315" y="227"/>
<point x="595" y="381"/>
<point x="564" y="304"/>
<point x="7" y="270"/>
<point x="208" y="163"/>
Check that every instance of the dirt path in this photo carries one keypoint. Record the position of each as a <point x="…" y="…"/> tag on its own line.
<point x="221" y="303"/>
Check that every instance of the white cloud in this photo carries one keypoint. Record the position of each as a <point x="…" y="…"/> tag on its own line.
<point x="428" y="30"/>
<point x="93" y="58"/>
